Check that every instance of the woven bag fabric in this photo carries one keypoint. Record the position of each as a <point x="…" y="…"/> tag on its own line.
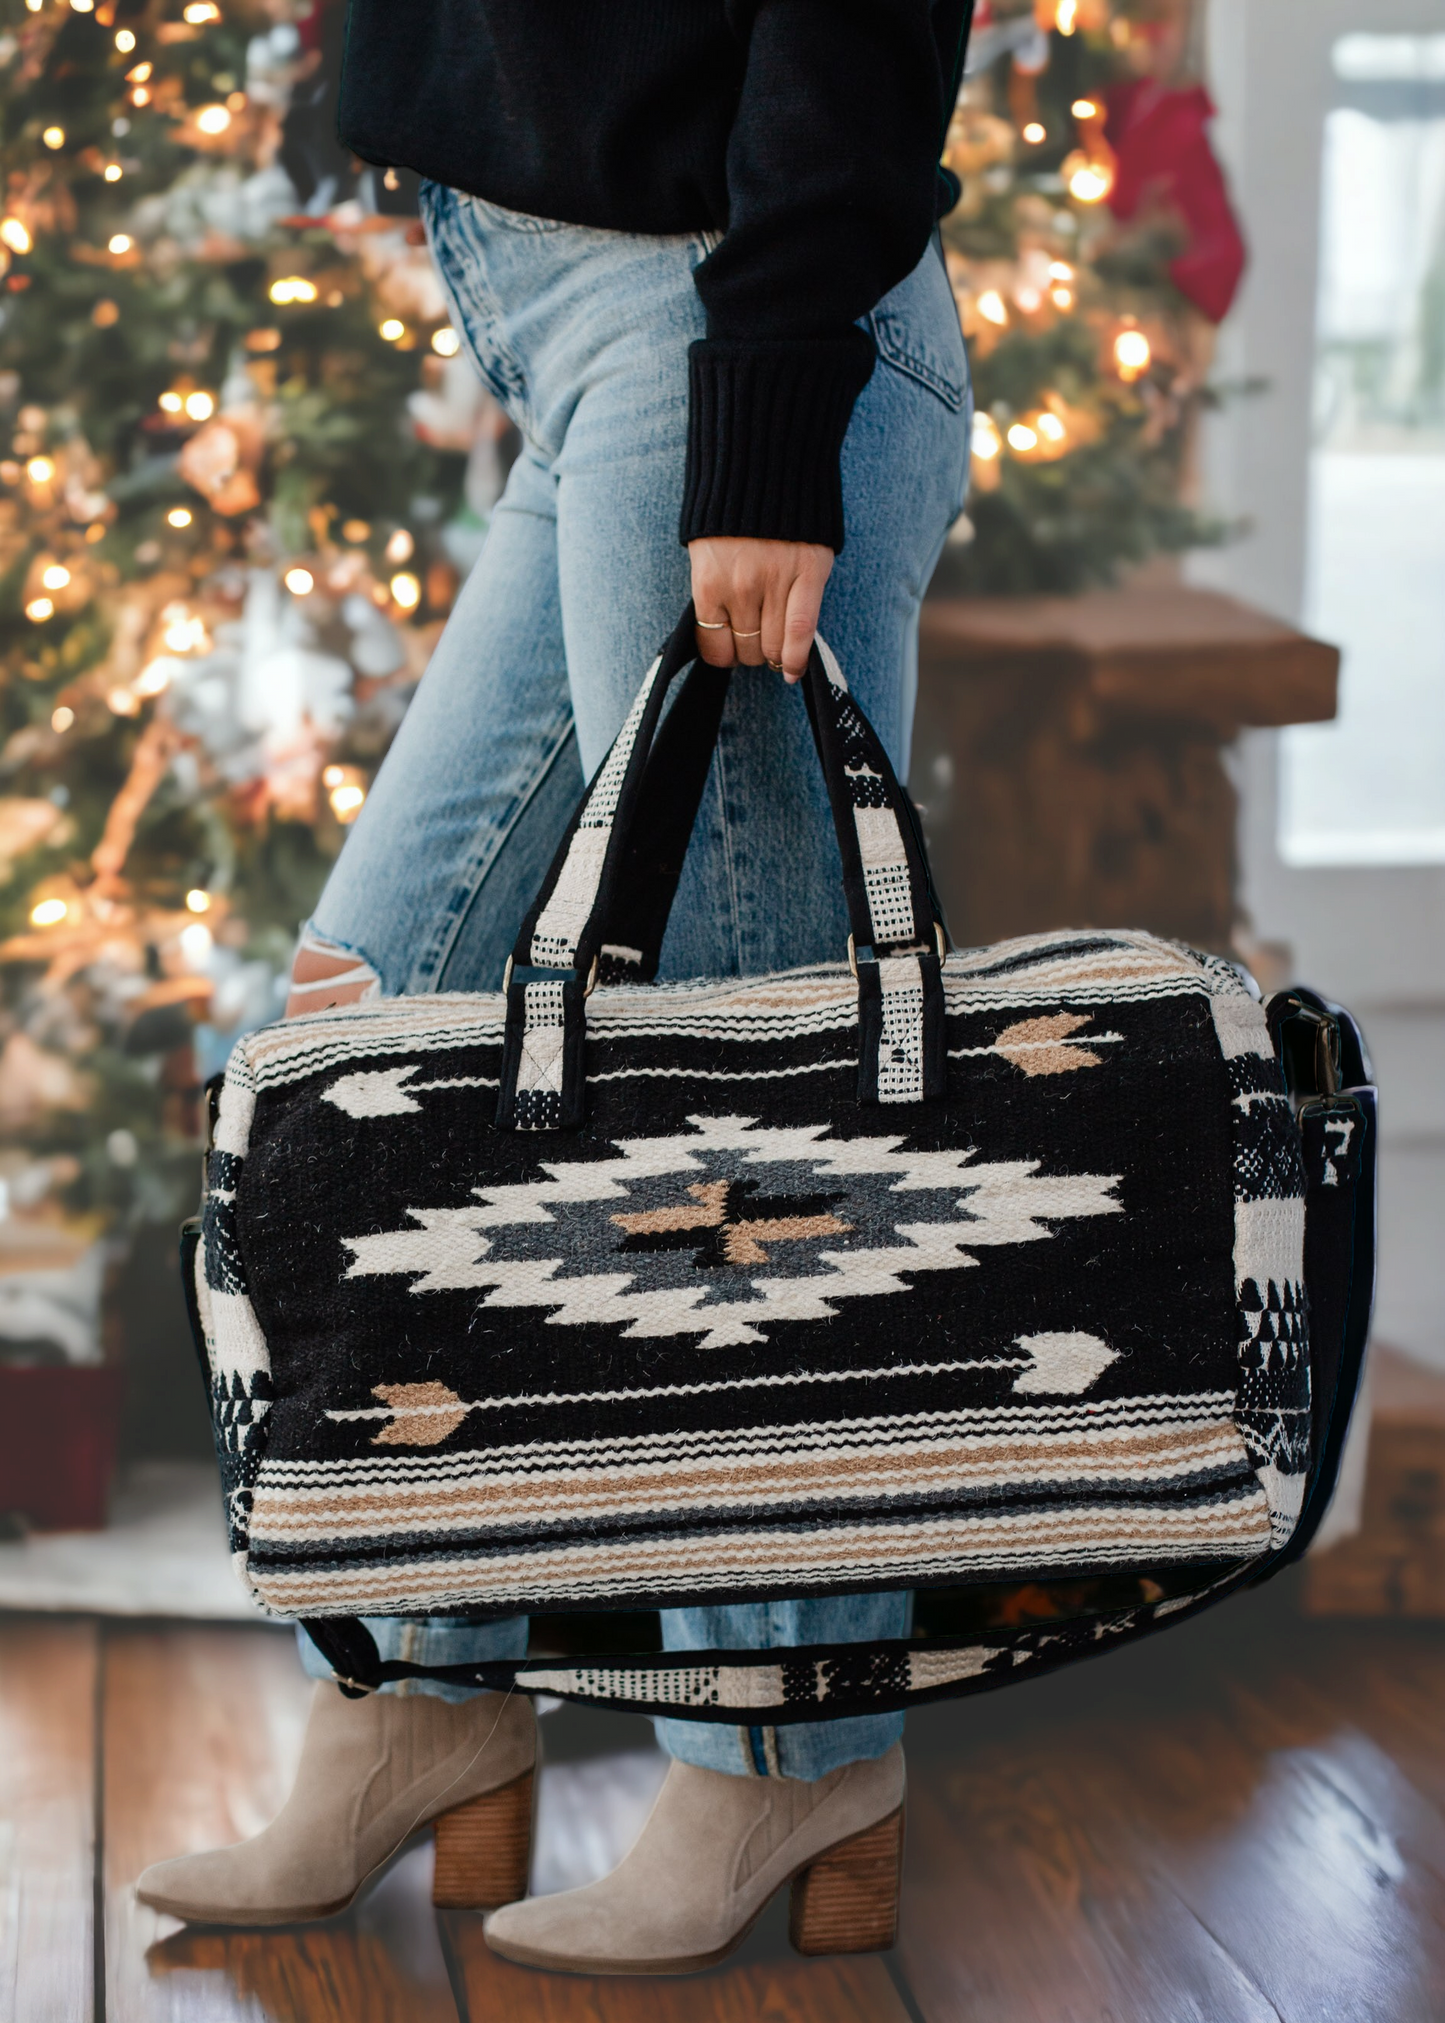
<point x="903" y="1272"/>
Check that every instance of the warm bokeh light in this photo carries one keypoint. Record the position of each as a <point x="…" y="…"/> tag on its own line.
<point x="113" y="172"/>
<point x="120" y="243"/>
<point x="171" y="402"/>
<point x="56" y="577"/>
<point x="140" y="97"/>
<point x="1089" y="182"/>
<point x="991" y="307"/>
<point x="1022" y="437"/>
<point x="356" y="531"/>
<point x="213" y="118"/>
<point x="400" y="548"/>
<point x="392" y="328"/>
<point x="141" y="73"/>
<point x="179" y="516"/>
<point x="332" y="776"/>
<point x="300" y="582"/>
<point x="1084" y="108"/>
<point x="200" y="406"/>
<point x="183" y="631"/>
<point x="48" y="913"/>
<point x="1062" y="298"/>
<point x="154" y="679"/>
<point x="445" y="342"/>
<point x="61" y="719"/>
<point x="198" y="900"/>
<point x="39" y="609"/>
<point x="1066" y="16"/>
<point x="1051" y="428"/>
<point x="124" y="41"/>
<point x="1034" y="132"/>
<point x="201" y="11"/>
<point x="293" y="288"/>
<point x="346" y="801"/>
<point x="15" y="235"/>
<point x="123" y="702"/>
<point x="406" y="591"/>
<point x="985" y="443"/>
<point x="54" y="136"/>
<point x="106" y="314"/>
<point x="1131" y="353"/>
<point x="40" y="470"/>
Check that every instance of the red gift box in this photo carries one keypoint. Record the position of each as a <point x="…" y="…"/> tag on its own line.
<point x="59" y="1431"/>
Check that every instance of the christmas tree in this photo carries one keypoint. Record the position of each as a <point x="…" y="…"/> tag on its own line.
<point x="241" y="468"/>
<point x="1092" y="253"/>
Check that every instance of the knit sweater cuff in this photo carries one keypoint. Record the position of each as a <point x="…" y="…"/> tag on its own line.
<point x="765" y="431"/>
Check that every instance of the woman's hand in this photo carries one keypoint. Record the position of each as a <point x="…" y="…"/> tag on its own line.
<point x="757" y="601"/>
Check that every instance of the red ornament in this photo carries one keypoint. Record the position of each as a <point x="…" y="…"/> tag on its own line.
<point x="1163" y="153"/>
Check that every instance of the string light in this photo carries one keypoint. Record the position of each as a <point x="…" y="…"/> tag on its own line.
<point x="200" y="406"/>
<point x="1131" y="353"/>
<point x="179" y="516"/>
<point x="406" y="591"/>
<point x="141" y="73"/>
<point x="56" y="577"/>
<point x="112" y="172"/>
<point x="1084" y="108"/>
<point x="198" y="900"/>
<point x="346" y="800"/>
<point x="1022" y="437"/>
<point x="400" y="548"/>
<point x="54" y="136"/>
<point x="332" y="776"/>
<point x="15" y="235"/>
<point x="991" y="307"/>
<point x="124" y="41"/>
<point x="39" y="609"/>
<point x="300" y="582"/>
<point x="154" y="678"/>
<point x="1051" y="428"/>
<point x="292" y="288"/>
<point x="171" y="402"/>
<point x="61" y="719"/>
<point x="1089" y="181"/>
<point x="201" y="11"/>
<point x="48" y="913"/>
<point x="392" y="329"/>
<point x="119" y="243"/>
<point x="140" y="97"/>
<point x="1066" y="16"/>
<point x="445" y="342"/>
<point x="1034" y="133"/>
<point x="1062" y="298"/>
<point x="1060" y="270"/>
<point x="82" y="6"/>
<point x="985" y="442"/>
<point x="213" y="118"/>
<point x="40" y="470"/>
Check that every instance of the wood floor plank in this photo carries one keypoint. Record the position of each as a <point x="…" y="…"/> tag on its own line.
<point x="202" y="1729"/>
<point x="767" y="1984"/>
<point x="1027" y="1901"/>
<point x="47" y="1819"/>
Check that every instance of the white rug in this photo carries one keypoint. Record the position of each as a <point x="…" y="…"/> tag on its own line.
<point x="163" y="1554"/>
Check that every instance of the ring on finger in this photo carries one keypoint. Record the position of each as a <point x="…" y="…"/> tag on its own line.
<point x="776" y="666"/>
<point x="712" y="625"/>
<point x="748" y="635"/>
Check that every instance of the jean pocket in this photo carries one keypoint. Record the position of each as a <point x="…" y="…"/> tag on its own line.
<point x="915" y="328"/>
<point x="909" y="349"/>
<point x="503" y="220"/>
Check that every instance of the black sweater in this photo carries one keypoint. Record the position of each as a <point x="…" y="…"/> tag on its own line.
<point x="807" y="132"/>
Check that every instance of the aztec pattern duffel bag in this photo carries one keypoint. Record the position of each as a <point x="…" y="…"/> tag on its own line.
<point x="914" y="1270"/>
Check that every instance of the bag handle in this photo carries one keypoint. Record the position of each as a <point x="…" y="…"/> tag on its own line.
<point x="620" y="859"/>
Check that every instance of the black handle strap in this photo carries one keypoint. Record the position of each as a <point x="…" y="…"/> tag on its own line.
<point x="613" y="879"/>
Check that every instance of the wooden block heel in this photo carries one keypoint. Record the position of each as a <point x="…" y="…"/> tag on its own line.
<point x="484" y="1849"/>
<point x="847" y="1900"/>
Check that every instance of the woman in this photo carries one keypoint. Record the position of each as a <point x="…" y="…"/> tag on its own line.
<point x="692" y="250"/>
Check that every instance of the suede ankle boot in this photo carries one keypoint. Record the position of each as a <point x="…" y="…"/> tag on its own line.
<point x="373" y="1773"/>
<point x="712" y="1853"/>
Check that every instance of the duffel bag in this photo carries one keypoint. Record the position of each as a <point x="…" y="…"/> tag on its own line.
<point x="1040" y="1266"/>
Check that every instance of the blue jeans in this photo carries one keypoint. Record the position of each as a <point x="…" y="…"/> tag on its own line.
<point x="583" y="335"/>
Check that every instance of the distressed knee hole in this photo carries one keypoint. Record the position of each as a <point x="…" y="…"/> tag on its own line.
<point x="324" y="975"/>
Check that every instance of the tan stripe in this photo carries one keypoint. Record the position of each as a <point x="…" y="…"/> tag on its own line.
<point x="340" y="1513"/>
<point x="677" y="1563"/>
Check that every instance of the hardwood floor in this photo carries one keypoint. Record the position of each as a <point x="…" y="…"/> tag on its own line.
<point x="1243" y="1822"/>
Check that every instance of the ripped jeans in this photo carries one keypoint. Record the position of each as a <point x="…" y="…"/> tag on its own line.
<point x="582" y="334"/>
